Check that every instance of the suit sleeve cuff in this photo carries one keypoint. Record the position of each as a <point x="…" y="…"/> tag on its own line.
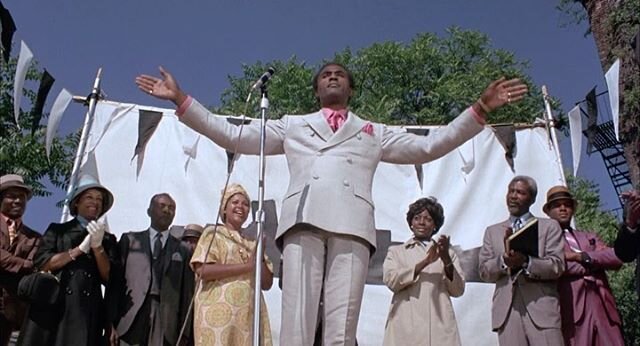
<point x="479" y="115"/>
<point x="183" y="107"/>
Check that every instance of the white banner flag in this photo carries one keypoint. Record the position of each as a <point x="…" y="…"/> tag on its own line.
<point x="575" y="126"/>
<point x="612" y="77"/>
<point x="58" y="108"/>
<point x="21" y="72"/>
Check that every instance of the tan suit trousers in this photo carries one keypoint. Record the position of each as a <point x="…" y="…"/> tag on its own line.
<point x="519" y="329"/>
<point x="315" y="262"/>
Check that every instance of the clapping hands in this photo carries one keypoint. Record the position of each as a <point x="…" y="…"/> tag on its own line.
<point x="96" y="231"/>
<point x="440" y="249"/>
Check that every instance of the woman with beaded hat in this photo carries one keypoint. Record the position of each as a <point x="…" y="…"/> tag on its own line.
<point x="224" y="260"/>
<point x="82" y="254"/>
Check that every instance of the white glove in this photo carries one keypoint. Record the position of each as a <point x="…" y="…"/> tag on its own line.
<point x="85" y="246"/>
<point x="96" y="230"/>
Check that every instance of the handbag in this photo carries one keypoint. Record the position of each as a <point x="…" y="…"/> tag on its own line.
<point x="41" y="288"/>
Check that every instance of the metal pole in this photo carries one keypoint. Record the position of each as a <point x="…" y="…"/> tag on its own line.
<point x="264" y="106"/>
<point x="86" y="129"/>
<point x="550" y="121"/>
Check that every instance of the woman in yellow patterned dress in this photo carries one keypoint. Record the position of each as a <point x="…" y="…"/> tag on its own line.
<point x="224" y="303"/>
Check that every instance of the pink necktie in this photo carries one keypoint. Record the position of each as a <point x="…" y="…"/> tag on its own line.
<point x="11" y="225"/>
<point x="335" y="120"/>
<point x="573" y="243"/>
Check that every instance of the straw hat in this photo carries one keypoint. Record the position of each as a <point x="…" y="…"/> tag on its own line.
<point x="13" y="180"/>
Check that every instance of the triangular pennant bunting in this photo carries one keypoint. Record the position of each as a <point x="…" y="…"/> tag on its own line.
<point x="43" y="91"/>
<point x="8" y="29"/>
<point x="147" y="123"/>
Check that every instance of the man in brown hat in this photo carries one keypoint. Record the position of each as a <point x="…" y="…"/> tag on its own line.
<point x="588" y="309"/>
<point x="191" y="235"/>
<point x="18" y="245"/>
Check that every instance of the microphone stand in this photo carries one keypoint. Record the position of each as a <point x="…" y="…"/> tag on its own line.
<point x="264" y="105"/>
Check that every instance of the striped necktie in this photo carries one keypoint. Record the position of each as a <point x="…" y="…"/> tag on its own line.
<point x="517" y="224"/>
<point x="11" y="225"/>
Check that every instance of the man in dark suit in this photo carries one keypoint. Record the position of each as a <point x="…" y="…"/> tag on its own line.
<point x="587" y="306"/>
<point x="18" y="245"/>
<point x="525" y="309"/>
<point x="627" y="244"/>
<point x="156" y="285"/>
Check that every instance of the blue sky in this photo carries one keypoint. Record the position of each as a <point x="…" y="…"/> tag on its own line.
<point x="204" y="42"/>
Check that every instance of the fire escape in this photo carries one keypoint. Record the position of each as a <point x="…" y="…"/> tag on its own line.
<point x="603" y="140"/>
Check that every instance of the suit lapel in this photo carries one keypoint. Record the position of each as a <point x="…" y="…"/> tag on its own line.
<point x="319" y="125"/>
<point x="4" y="233"/>
<point x="145" y="243"/>
<point x="350" y="128"/>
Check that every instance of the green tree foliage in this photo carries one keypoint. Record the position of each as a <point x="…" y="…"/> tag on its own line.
<point x="22" y="148"/>
<point x="590" y="217"/>
<point x="429" y="80"/>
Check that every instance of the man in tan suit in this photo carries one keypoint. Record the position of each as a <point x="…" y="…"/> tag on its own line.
<point x="525" y="310"/>
<point x="326" y="227"/>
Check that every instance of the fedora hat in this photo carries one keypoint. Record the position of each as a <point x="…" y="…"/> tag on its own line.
<point x="13" y="180"/>
<point x="558" y="193"/>
<point x="85" y="183"/>
<point x="192" y="231"/>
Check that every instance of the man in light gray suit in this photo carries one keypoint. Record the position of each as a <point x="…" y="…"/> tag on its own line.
<point x="526" y="309"/>
<point x="326" y="227"/>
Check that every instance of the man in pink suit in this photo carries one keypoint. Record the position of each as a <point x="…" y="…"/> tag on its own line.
<point x="587" y="307"/>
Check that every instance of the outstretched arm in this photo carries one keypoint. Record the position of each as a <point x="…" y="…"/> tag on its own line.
<point x="165" y="88"/>
<point x="408" y="148"/>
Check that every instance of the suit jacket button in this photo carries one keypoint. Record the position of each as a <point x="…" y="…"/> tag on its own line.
<point x="358" y="136"/>
<point x="316" y="177"/>
<point x="349" y="160"/>
<point x="345" y="183"/>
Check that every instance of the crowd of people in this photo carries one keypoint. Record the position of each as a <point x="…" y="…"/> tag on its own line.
<point x="558" y="294"/>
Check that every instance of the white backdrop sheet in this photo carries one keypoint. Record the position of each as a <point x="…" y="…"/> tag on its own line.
<point x="470" y="182"/>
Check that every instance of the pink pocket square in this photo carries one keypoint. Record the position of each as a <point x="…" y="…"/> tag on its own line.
<point x="368" y="129"/>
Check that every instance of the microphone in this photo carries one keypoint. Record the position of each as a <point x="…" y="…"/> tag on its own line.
<point x="263" y="79"/>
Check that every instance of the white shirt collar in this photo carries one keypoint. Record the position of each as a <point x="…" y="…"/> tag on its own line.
<point x="163" y="236"/>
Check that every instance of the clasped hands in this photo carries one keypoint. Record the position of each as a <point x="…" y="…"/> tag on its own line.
<point x="94" y="238"/>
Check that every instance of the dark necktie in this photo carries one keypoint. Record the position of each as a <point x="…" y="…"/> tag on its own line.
<point x="157" y="246"/>
<point x="157" y="260"/>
